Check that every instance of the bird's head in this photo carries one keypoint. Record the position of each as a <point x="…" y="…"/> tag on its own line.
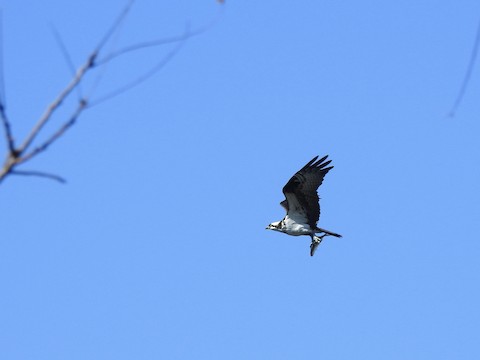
<point x="274" y="226"/>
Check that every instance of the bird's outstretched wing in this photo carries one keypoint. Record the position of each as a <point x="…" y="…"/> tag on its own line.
<point x="302" y="200"/>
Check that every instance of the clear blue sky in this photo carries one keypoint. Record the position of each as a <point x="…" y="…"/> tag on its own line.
<point x="157" y="249"/>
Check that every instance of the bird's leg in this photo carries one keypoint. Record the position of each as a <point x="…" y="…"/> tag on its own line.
<point x="324" y="234"/>
<point x="320" y="237"/>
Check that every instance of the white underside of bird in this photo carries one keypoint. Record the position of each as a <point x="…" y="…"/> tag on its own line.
<point x="291" y="227"/>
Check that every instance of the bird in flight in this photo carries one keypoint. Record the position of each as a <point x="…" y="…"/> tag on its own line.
<point x="302" y="203"/>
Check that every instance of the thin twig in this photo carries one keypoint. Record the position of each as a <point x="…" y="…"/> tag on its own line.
<point x="8" y="130"/>
<point x="468" y="73"/>
<point x="146" y="44"/>
<point x="159" y="42"/>
<point x="114" y="27"/>
<point x="66" y="55"/>
<point x="161" y="64"/>
<point x="58" y="101"/>
<point x="24" y="153"/>
<point x="56" y="135"/>
<point x="3" y="114"/>
<point x="39" y="174"/>
<point x="103" y="70"/>
<point x="2" y="73"/>
<point x="89" y="64"/>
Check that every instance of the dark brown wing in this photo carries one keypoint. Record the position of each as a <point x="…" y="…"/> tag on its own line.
<point x="284" y="204"/>
<point x="301" y="190"/>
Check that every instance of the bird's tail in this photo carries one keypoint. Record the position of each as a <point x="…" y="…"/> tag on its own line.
<point x="319" y="230"/>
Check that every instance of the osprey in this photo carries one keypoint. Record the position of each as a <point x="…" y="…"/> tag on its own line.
<point x="302" y="203"/>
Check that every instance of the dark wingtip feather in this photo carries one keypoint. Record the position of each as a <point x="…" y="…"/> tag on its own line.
<point x="328" y="169"/>
<point x="320" y="163"/>
<point x="320" y="166"/>
<point x="307" y="165"/>
<point x="323" y="158"/>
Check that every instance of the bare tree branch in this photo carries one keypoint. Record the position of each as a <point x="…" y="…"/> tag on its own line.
<point x="19" y="155"/>
<point x="2" y="80"/>
<point x="7" y="129"/>
<point x="3" y="114"/>
<point x="89" y="64"/>
<point x="152" y="43"/>
<point x="56" y="135"/>
<point x="66" y="55"/>
<point x="160" y="65"/>
<point x="115" y="26"/>
<point x="57" y="102"/>
<point x="163" y="41"/>
<point x="468" y="74"/>
<point x="39" y="174"/>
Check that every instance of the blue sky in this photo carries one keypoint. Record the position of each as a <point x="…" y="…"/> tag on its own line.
<point x="156" y="247"/>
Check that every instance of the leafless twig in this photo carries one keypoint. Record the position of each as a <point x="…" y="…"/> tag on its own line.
<point x="66" y="55"/>
<point x="7" y="129"/>
<point x="57" y="102"/>
<point x="145" y="76"/>
<point x="39" y="174"/>
<point x="468" y="73"/>
<point x="24" y="153"/>
<point x="154" y="43"/>
<point x="56" y="135"/>
<point x="3" y="114"/>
